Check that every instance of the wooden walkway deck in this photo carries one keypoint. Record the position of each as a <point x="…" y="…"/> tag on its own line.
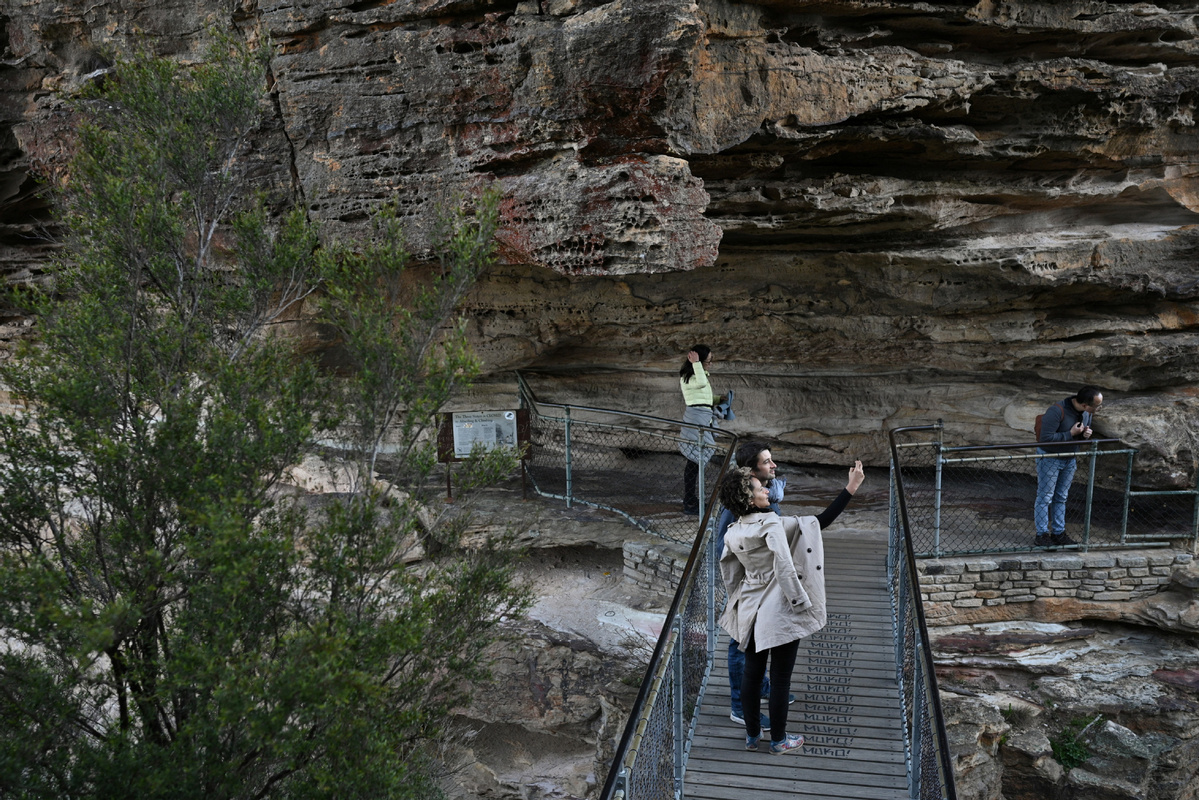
<point x="846" y="706"/>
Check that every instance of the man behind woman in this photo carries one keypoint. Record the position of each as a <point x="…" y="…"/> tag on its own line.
<point x="773" y="571"/>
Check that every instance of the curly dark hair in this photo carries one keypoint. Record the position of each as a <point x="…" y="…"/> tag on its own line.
<point x="737" y="493"/>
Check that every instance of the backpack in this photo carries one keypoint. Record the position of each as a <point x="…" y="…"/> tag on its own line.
<point x="1036" y="425"/>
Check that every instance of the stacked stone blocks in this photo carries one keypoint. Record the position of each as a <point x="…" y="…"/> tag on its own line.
<point x="976" y="581"/>
<point x="655" y="567"/>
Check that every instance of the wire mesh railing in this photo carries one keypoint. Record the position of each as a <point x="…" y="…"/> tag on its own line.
<point x="930" y="767"/>
<point x="630" y="464"/>
<point x="980" y="499"/>
<point x="626" y="463"/>
<point x="651" y="759"/>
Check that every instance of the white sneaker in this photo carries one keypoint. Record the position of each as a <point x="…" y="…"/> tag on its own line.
<point x="741" y="720"/>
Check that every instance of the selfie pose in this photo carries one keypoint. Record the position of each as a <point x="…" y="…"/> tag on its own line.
<point x="773" y="571"/>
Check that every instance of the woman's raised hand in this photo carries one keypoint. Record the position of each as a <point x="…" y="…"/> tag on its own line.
<point x="856" y="476"/>
<point x="693" y="357"/>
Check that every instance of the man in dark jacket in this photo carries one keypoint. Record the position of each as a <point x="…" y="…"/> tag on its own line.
<point x="1063" y="424"/>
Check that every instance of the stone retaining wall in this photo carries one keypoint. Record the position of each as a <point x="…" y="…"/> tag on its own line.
<point x="978" y="581"/>
<point x="655" y="567"/>
<point x="971" y="581"/>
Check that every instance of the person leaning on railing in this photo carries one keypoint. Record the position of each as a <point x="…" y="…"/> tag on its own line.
<point x="773" y="572"/>
<point x="1062" y="425"/>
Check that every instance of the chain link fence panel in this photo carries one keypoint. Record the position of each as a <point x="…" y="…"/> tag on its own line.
<point x="967" y="499"/>
<point x="625" y="463"/>
<point x="930" y="771"/>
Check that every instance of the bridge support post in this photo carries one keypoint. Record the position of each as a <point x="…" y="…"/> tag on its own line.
<point x="680" y="729"/>
<point x="1086" y="525"/>
<point x="569" y="481"/>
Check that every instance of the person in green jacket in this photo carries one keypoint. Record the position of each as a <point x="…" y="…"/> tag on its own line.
<point x="696" y="446"/>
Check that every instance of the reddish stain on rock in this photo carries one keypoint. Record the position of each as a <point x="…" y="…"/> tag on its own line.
<point x="1186" y="678"/>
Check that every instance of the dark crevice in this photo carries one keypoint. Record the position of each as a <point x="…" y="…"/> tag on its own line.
<point x="952" y="35"/>
<point x="293" y="169"/>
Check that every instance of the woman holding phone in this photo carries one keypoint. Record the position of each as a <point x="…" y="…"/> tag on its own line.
<point x="773" y="571"/>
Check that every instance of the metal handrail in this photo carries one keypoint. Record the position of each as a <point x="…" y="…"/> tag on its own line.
<point x="925" y="655"/>
<point x="663" y="675"/>
<point x="963" y="448"/>
<point x="624" y="759"/>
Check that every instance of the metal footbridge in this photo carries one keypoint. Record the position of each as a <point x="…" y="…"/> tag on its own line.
<point x="866" y="699"/>
<point x="847" y="702"/>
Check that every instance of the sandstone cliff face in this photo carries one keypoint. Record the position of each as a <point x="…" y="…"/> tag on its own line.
<point x="878" y="213"/>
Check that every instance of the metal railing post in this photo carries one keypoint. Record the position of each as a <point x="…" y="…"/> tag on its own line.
<point x="569" y="475"/>
<point x="701" y="488"/>
<point x="892" y="522"/>
<point x="713" y="576"/>
<point x="1086" y="525"/>
<point x="937" y="496"/>
<point x="1127" y="500"/>
<point x="1195" y="514"/>
<point x="901" y="630"/>
<point x="680" y="724"/>
<point x="917" y="728"/>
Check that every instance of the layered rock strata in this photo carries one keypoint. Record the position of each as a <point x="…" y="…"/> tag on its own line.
<point x="877" y="212"/>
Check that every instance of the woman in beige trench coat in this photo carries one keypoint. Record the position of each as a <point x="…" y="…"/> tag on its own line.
<point x="773" y="571"/>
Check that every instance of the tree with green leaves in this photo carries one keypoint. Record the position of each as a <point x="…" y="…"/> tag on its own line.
<point x="177" y="619"/>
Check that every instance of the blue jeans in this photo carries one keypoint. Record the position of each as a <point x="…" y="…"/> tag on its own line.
<point x="1053" y="485"/>
<point x="736" y="672"/>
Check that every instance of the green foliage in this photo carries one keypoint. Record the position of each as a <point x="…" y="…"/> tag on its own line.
<point x="176" y="626"/>
<point x="1069" y="747"/>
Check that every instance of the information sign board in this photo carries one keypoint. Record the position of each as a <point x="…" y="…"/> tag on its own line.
<point x="490" y="429"/>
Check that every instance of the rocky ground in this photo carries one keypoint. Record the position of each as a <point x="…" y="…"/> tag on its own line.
<point x="569" y="673"/>
<point x="1119" y="702"/>
<point x="1094" y="711"/>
